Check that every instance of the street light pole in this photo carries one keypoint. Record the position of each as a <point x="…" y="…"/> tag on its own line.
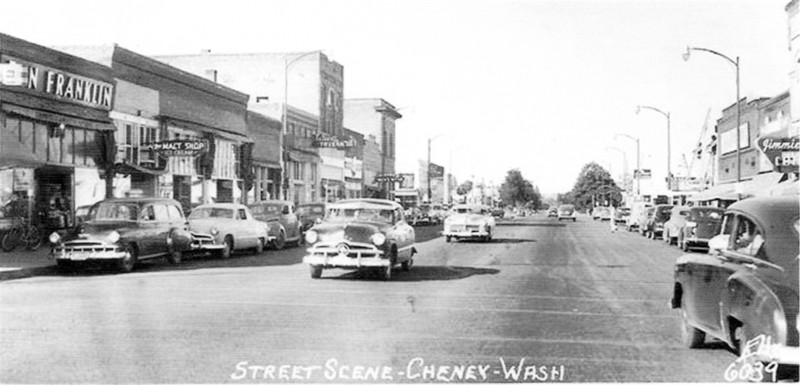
<point x="735" y="63"/>
<point x="285" y="110"/>
<point x="669" y="149"/>
<point x="638" y="156"/>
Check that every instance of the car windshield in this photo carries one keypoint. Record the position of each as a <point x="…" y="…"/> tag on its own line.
<point x="707" y="215"/>
<point x="359" y="214"/>
<point x="116" y="211"/>
<point x="268" y="209"/>
<point x="566" y="208"/>
<point x="211" y="212"/>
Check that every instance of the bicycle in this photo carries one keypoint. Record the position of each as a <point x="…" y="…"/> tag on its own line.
<point x="23" y="233"/>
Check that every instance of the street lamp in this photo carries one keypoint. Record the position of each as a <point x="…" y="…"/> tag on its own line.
<point x="669" y="149"/>
<point x="285" y="111"/>
<point x="735" y="63"/>
<point x="638" y="155"/>
<point x="428" y="171"/>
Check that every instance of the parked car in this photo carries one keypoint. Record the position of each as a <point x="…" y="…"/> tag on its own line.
<point x="701" y="225"/>
<point x="746" y="288"/>
<point x="567" y="212"/>
<point x="361" y="234"/>
<point x="621" y="214"/>
<point x="124" y="231"/>
<point x="638" y="209"/>
<point x="655" y="223"/>
<point x="601" y="213"/>
<point x="498" y="212"/>
<point x="232" y="225"/>
<point x="424" y="216"/>
<point x="437" y="213"/>
<point x="284" y="226"/>
<point x="676" y="222"/>
<point x="469" y="222"/>
<point x="552" y="213"/>
<point x="309" y="214"/>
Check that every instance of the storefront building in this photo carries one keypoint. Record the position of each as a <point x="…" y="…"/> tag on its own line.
<point x="178" y="135"/>
<point x="55" y="130"/>
<point x="354" y="165"/>
<point x="266" y="135"/>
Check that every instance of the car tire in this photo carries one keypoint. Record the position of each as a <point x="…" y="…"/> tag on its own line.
<point x="447" y="238"/>
<point x="405" y="266"/>
<point x="226" y="251"/>
<point x="125" y="265"/>
<point x="316" y="271"/>
<point x="174" y="257"/>
<point x="65" y="267"/>
<point x="280" y="242"/>
<point x="692" y="337"/>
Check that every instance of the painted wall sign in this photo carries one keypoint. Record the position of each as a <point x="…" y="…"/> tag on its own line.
<point x="435" y="171"/>
<point x="180" y="147"/>
<point x="64" y="85"/>
<point x="325" y="141"/>
<point x="781" y="150"/>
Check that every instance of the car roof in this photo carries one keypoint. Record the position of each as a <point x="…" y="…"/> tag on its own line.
<point x="270" y="201"/>
<point x="140" y="200"/>
<point x="383" y="203"/>
<point x="776" y="216"/>
<point x="232" y="206"/>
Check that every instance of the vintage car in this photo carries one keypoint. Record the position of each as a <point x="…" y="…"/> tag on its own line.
<point x="637" y="211"/>
<point x="232" y="225"/>
<point x="621" y="214"/>
<point x="674" y="225"/>
<point x="361" y="234"/>
<point x="701" y="225"/>
<point x="552" y="213"/>
<point x="498" y="212"/>
<point x="744" y="292"/>
<point x="601" y="213"/>
<point x="309" y="214"/>
<point x="424" y="215"/>
<point x="469" y="222"/>
<point x="124" y="231"/>
<point x="284" y="225"/>
<point x="644" y="218"/>
<point x="655" y="223"/>
<point x="567" y="212"/>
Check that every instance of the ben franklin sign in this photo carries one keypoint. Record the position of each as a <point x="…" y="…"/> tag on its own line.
<point x="183" y="147"/>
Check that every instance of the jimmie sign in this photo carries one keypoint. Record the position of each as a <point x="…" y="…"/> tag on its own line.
<point x="782" y="151"/>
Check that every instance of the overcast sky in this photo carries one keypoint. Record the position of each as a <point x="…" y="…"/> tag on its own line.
<point x="541" y="86"/>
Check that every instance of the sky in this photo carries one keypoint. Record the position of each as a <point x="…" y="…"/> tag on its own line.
<point x="539" y="86"/>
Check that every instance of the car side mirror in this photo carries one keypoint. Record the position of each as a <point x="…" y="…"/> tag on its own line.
<point x="717" y="243"/>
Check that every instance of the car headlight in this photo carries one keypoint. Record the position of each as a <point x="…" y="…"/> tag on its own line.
<point x="378" y="239"/>
<point x="214" y="231"/>
<point x="54" y="238"/>
<point x="311" y="236"/>
<point x="113" y="237"/>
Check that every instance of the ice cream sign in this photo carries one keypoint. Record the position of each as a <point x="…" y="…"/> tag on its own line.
<point x="170" y="148"/>
<point x="782" y="150"/>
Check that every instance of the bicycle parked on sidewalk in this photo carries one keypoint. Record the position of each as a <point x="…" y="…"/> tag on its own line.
<point x="22" y="232"/>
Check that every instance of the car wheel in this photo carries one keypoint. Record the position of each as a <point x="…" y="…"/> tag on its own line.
<point x="260" y="246"/>
<point x="226" y="251"/>
<point x="125" y="264"/>
<point x="405" y="266"/>
<point x="447" y="238"/>
<point x="692" y="337"/>
<point x="174" y="257"/>
<point x="280" y="242"/>
<point x="316" y="271"/>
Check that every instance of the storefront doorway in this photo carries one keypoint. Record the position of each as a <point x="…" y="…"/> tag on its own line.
<point x="182" y="191"/>
<point x="54" y="200"/>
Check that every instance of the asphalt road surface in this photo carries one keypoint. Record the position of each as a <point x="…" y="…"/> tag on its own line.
<point x="544" y="301"/>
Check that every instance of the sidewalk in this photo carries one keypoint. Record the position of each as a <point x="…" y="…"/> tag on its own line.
<point x="22" y="263"/>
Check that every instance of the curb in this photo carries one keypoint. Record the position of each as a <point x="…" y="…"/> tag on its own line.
<point x="28" y="272"/>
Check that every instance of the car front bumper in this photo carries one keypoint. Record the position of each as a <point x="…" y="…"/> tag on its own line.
<point x="80" y="256"/>
<point x="465" y="233"/>
<point x="345" y="262"/>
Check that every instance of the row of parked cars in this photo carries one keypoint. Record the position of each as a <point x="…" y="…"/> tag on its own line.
<point x="743" y="290"/>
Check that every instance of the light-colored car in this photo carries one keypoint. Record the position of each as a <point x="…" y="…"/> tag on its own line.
<point x="674" y="226"/>
<point x="567" y="212"/>
<point x="469" y="222"/>
<point x="361" y="234"/>
<point x="638" y="209"/>
<point x="284" y="224"/>
<point x="231" y="225"/>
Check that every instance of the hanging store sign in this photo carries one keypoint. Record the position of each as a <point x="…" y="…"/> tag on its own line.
<point x="642" y="174"/>
<point x="389" y="178"/>
<point x="60" y="84"/>
<point x="435" y="171"/>
<point x="781" y="150"/>
<point x="325" y="141"/>
<point x="180" y="147"/>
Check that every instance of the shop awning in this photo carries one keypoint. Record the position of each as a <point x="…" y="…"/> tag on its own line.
<point x="128" y="168"/>
<point x="56" y="118"/>
<point x="721" y="191"/>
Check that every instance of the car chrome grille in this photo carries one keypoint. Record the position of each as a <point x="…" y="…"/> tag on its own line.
<point x="85" y="246"/>
<point x="202" y="239"/>
<point x="348" y="249"/>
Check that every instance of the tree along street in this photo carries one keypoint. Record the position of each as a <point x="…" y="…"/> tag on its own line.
<point x="544" y="301"/>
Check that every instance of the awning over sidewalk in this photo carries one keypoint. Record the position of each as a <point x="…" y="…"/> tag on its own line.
<point x="761" y="184"/>
<point x="720" y="192"/>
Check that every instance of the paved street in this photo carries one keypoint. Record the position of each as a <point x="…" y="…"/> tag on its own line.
<point x="577" y="302"/>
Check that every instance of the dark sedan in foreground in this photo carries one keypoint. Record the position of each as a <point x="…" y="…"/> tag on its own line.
<point x="744" y="292"/>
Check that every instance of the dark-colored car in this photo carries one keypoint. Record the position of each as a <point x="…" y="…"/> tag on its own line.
<point x="744" y="292"/>
<point x="284" y="225"/>
<point x="127" y="230"/>
<point x="655" y="224"/>
<point x="361" y="234"/>
<point x="498" y="212"/>
<point x="309" y="214"/>
<point x="552" y="213"/>
<point x="702" y="224"/>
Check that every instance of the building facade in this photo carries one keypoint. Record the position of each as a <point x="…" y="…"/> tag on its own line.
<point x="375" y="119"/>
<point x="56" y="132"/>
<point x="265" y="132"/>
